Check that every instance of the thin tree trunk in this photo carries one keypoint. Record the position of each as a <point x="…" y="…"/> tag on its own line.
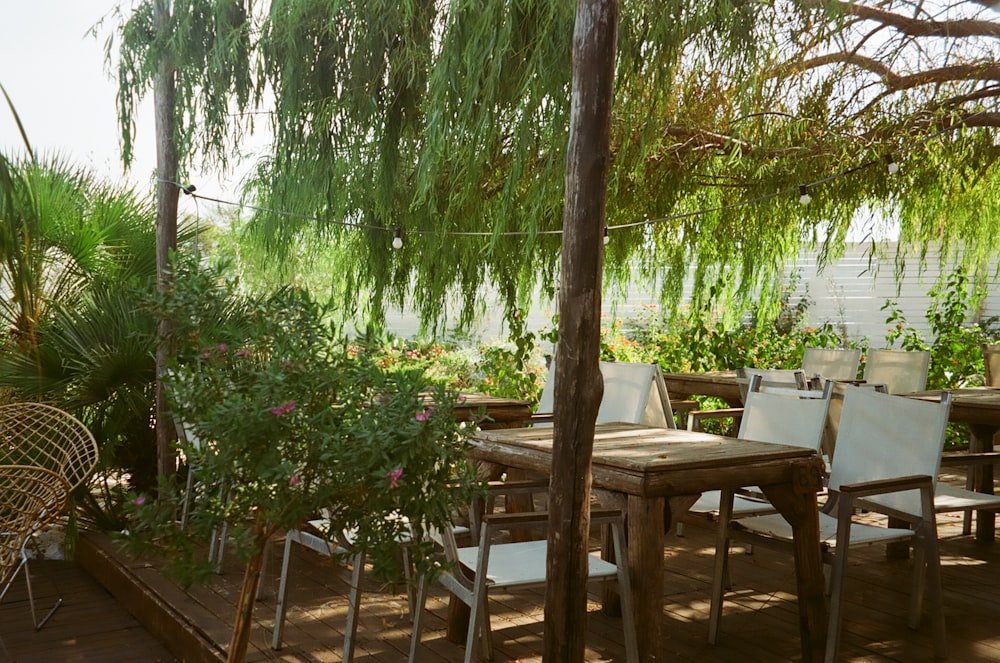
<point x="164" y="93"/>
<point x="240" y="638"/>
<point x="578" y="383"/>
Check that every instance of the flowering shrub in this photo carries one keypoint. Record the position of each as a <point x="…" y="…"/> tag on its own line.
<point x="294" y="421"/>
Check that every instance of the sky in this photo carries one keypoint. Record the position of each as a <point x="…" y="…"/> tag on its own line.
<point x="55" y="74"/>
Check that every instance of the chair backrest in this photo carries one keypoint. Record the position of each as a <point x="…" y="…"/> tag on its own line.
<point x="991" y="361"/>
<point x="832" y="363"/>
<point x="837" y="407"/>
<point x="30" y="497"/>
<point x="633" y="393"/>
<point x="783" y="378"/>
<point x="883" y="436"/>
<point x="45" y="436"/>
<point x="784" y="416"/>
<point x="901" y="371"/>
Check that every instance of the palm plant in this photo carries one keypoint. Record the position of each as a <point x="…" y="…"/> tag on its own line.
<point x="77" y="270"/>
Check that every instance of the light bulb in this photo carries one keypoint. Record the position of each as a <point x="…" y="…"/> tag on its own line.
<point x="891" y="164"/>
<point x="397" y="240"/>
<point x="804" y="197"/>
<point x="606" y="238"/>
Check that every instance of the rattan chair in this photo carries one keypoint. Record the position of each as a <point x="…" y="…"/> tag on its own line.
<point x="53" y="442"/>
<point x="30" y="499"/>
<point x="44" y="436"/>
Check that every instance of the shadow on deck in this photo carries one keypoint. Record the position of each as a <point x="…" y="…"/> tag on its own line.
<point x="760" y="622"/>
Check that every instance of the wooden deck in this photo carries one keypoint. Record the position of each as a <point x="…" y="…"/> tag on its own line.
<point x="90" y="626"/>
<point x="759" y="622"/>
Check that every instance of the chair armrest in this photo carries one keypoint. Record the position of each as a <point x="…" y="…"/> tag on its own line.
<point x="506" y="521"/>
<point x="695" y="417"/>
<point x="984" y="458"/>
<point x="517" y="487"/>
<point x="540" y="418"/>
<point x="881" y="486"/>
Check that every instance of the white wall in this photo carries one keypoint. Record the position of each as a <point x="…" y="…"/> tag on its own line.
<point x="848" y="293"/>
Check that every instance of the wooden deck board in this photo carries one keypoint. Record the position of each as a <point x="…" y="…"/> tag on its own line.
<point x="759" y="622"/>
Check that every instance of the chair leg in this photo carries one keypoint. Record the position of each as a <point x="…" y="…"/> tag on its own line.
<point x="418" y="614"/>
<point x="720" y="575"/>
<point x="280" y="601"/>
<point x="625" y="591"/>
<point x="411" y="599"/>
<point x="838" y="581"/>
<point x="354" y="596"/>
<point x="970" y="484"/>
<point x="217" y="547"/>
<point x="929" y="545"/>
<point x="186" y="505"/>
<point x="39" y="623"/>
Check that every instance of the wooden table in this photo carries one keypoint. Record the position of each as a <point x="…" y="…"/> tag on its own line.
<point x="720" y="384"/>
<point x="979" y="409"/>
<point x="656" y="471"/>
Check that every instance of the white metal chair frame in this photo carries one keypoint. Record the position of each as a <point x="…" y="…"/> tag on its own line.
<point x="318" y="539"/>
<point x="832" y="363"/>
<point x="782" y="416"/>
<point x="633" y="393"/>
<point x="772" y="378"/>
<point x="911" y="434"/>
<point x="470" y="575"/>
<point x="901" y="371"/>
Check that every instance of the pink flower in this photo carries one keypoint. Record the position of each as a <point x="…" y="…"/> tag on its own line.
<point x="422" y="416"/>
<point x="242" y="352"/>
<point x="139" y="501"/>
<point x="283" y="409"/>
<point x="294" y="480"/>
<point x="223" y="348"/>
<point x="462" y="398"/>
<point x="394" y="477"/>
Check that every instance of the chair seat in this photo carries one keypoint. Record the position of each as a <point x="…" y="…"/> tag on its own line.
<point x="776" y="526"/>
<point x="742" y="506"/>
<point x="952" y="498"/>
<point x="519" y="564"/>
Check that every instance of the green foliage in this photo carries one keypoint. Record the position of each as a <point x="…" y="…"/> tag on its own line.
<point x="496" y="369"/>
<point x="695" y="340"/>
<point x="77" y="259"/>
<point x="955" y="344"/>
<point x="294" y="421"/>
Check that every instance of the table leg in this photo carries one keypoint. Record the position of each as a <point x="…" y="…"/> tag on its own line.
<point x="981" y="441"/>
<point x="797" y="504"/>
<point x="645" y="556"/>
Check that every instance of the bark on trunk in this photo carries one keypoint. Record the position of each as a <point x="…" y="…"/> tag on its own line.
<point x="248" y="597"/>
<point x="578" y="383"/>
<point x="164" y="93"/>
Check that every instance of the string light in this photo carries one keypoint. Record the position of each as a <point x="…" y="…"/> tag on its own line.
<point x="891" y="165"/>
<point x="804" y="197"/>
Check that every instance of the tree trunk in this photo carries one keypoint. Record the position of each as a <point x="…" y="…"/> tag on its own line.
<point x="164" y="93"/>
<point x="578" y="383"/>
<point x="243" y="623"/>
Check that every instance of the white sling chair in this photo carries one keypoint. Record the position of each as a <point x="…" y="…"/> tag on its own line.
<point x="634" y="393"/>
<point x="888" y="453"/>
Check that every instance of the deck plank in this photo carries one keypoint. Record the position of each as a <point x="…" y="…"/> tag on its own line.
<point x="760" y="621"/>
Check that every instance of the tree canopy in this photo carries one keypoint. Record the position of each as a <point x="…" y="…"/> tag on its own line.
<point x="448" y="123"/>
